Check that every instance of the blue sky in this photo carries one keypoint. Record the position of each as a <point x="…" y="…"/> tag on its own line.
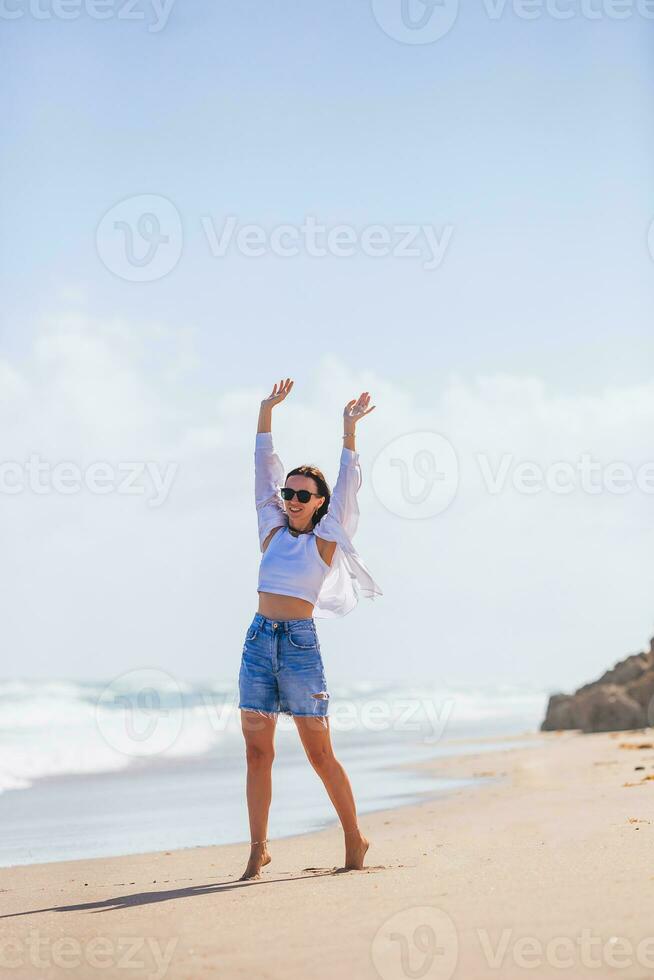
<point x="530" y="139"/>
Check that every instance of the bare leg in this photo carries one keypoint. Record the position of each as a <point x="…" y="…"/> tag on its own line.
<point x="259" y="733"/>
<point x="316" y="739"/>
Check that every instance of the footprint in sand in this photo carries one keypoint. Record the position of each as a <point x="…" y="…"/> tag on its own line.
<point x="335" y="870"/>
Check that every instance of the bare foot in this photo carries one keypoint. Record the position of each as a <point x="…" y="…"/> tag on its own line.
<point x="356" y="846"/>
<point x="259" y="857"/>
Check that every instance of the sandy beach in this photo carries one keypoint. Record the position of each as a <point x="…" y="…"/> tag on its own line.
<point x="543" y="868"/>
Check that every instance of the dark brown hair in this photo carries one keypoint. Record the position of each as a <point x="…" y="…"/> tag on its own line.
<point x="322" y="487"/>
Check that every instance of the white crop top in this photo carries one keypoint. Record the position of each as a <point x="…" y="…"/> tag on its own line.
<point x="292" y="565"/>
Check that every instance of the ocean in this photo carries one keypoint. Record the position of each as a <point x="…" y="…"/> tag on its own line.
<point x="148" y="762"/>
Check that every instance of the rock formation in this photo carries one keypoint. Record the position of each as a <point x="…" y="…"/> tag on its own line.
<point x="622" y="698"/>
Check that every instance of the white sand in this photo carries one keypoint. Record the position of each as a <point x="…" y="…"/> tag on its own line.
<point x="545" y="871"/>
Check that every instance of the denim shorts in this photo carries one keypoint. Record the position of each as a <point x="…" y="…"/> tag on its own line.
<point x="282" y="669"/>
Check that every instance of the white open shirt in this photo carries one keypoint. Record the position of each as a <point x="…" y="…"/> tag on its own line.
<point x="348" y="576"/>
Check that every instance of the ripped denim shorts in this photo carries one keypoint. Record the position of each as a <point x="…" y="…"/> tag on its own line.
<point x="282" y="669"/>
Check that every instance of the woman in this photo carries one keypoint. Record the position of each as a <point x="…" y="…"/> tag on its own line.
<point x="309" y="566"/>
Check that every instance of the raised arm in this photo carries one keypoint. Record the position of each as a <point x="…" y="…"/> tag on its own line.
<point x="268" y="468"/>
<point x="277" y="395"/>
<point x="343" y="506"/>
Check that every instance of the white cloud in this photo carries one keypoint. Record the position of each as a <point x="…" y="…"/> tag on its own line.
<point x="546" y="588"/>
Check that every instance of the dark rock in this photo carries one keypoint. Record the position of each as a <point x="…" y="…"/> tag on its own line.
<point x="642" y="690"/>
<point x="622" y="698"/>
<point x="624" y="672"/>
<point x="560" y="713"/>
<point x="608" y="709"/>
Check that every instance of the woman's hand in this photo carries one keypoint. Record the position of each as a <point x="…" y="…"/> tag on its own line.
<point x="355" y="410"/>
<point x="278" y="394"/>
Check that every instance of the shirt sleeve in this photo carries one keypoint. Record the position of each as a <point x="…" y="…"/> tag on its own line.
<point x="343" y="505"/>
<point x="269" y="474"/>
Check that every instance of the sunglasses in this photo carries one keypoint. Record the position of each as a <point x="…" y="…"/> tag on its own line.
<point x="304" y="496"/>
